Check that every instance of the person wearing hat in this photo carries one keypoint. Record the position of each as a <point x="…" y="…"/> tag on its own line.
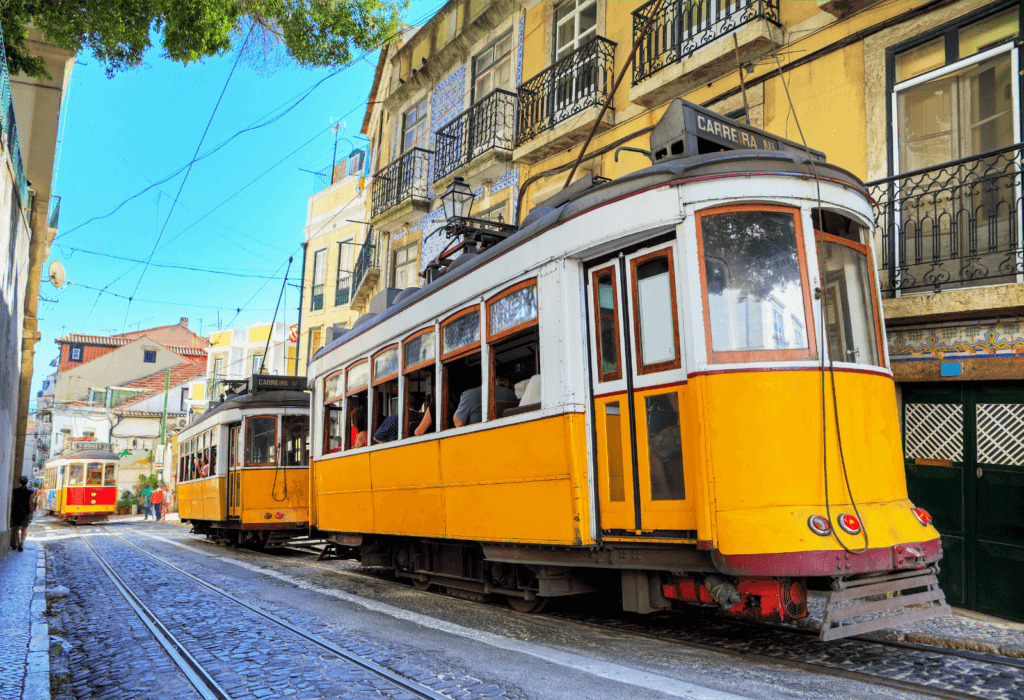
<point x="23" y="503"/>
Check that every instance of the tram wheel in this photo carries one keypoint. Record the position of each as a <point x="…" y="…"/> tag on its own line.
<point x="422" y="585"/>
<point x="526" y="606"/>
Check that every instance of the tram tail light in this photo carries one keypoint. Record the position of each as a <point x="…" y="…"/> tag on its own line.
<point x="819" y="525"/>
<point x="923" y="516"/>
<point x="849" y="523"/>
<point x="278" y="515"/>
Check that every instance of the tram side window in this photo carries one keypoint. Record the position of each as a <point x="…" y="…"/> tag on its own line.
<point x="294" y="441"/>
<point x="514" y="337"/>
<point x="385" y="396"/>
<point x="334" y="424"/>
<point x="606" y="308"/>
<point x="110" y="475"/>
<point x="665" y="447"/>
<point x="233" y="432"/>
<point x="463" y="378"/>
<point x="62" y="477"/>
<point x="211" y="467"/>
<point x="77" y="474"/>
<point x="656" y="319"/>
<point x="260" y="440"/>
<point x="418" y="354"/>
<point x="357" y="387"/>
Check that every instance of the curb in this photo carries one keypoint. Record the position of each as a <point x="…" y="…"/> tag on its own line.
<point x="37" y="677"/>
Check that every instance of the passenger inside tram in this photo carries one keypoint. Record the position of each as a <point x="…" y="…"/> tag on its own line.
<point x="385" y="409"/>
<point x="462" y="375"/>
<point x="518" y="361"/>
<point x="419" y="398"/>
<point x="357" y="421"/>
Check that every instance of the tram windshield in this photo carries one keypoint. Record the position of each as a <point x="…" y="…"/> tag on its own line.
<point x="77" y="474"/>
<point x="94" y="475"/>
<point x="755" y="294"/>
<point x="294" y="441"/>
<point x="260" y="439"/>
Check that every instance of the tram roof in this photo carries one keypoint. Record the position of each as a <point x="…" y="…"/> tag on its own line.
<point x="284" y="398"/>
<point x="83" y="455"/>
<point x="582" y="196"/>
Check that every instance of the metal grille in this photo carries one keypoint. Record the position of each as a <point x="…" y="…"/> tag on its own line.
<point x="1000" y="433"/>
<point x="401" y="180"/>
<point x="935" y="431"/>
<point x="487" y="125"/>
<point x="681" y="27"/>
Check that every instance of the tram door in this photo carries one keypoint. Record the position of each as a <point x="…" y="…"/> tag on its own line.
<point x="640" y="407"/>
<point x="234" y="470"/>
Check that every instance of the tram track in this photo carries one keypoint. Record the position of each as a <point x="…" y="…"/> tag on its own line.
<point x="673" y="636"/>
<point x="201" y="678"/>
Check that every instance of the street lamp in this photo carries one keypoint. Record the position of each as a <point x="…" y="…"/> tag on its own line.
<point x="457" y="200"/>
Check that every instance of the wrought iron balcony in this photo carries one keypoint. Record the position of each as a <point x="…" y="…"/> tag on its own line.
<point x="367" y="269"/>
<point x="581" y="80"/>
<point x="486" y="126"/>
<point x="951" y="226"/>
<point x="681" y="27"/>
<point x="343" y="290"/>
<point x="401" y="180"/>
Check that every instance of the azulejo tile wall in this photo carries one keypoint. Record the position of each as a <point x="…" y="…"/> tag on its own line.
<point x="446" y="101"/>
<point x="985" y="340"/>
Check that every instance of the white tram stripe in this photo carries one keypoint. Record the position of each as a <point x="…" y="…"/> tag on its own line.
<point x="595" y="667"/>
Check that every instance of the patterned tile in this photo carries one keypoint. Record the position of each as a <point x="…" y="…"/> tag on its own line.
<point x="519" y="51"/>
<point x="957" y="342"/>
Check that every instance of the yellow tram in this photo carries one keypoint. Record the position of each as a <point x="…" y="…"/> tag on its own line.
<point x="243" y="466"/>
<point x="80" y="484"/>
<point x="680" y="377"/>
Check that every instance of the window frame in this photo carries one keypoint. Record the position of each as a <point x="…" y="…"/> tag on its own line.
<point x="465" y="350"/>
<point x="575" y="15"/>
<point x="377" y="381"/>
<point x="394" y="262"/>
<point x="245" y="447"/>
<point x="616" y="285"/>
<point x="509" y="332"/>
<point x="864" y="250"/>
<point x="641" y="368"/>
<point x="406" y="127"/>
<point x="313" y="279"/>
<point x="369" y="377"/>
<point x="423" y="331"/>
<point x="477" y="76"/>
<point x="79" y="349"/>
<point x="328" y="399"/>
<point x="146" y="354"/>
<point x="722" y="357"/>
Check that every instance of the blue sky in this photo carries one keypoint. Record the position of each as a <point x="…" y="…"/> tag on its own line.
<point x="122" y="134"/>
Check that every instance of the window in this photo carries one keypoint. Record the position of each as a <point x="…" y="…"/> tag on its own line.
<point x="183" y="403"/>
<point x="514" y="338"/>
<point x="260" y="440"/>
<point x="664" y="447"/>
<point x="415" y="125"/>
<point x="495" y="214"/>
<point x="76" y="353"/>
<point x="851" y="312"/>
<point x="406" y="267"/>
<point x="656" y="323"/>
<point x="357" y="396"/>
<point x="492" y="68"/>
<point x="418" y="353"/>
<point x="385" y="393"/>
<point x="753" y="264"/>
<point x="333" y="417"/>
<point x="575" y="25"/>
<point x="460" y="353"/>
<point x="110" y="475"/>
<point x="94" y="475"/>
<point x="294" y="441"/>
<point x="149" y="355"/>
<point x="778" y="329"/>
<point x="356" y="160"/>
<point x="316" y="341"/>
<point x="316" y="301"/>
<point x="77" y="475"/>
<point x="343" y="283"/>
<point x="257" y="362"/>
<point x="606" y="310"/>
<point x="89" y="433"/>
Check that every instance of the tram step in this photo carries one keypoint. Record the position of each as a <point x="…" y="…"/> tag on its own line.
<point x="856" y="598"/>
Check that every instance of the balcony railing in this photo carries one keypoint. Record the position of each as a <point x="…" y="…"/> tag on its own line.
<point x="10" y="127"/>
<point x="402" y="179"/>
<point x="316" y="301"/>
<point x="951" y="226"/>
<point x="343" y="290"/>
<point x="681" y="27"/>
<point x="487" y="125"/>
<point x="367" y="269"/>
<point x="581" y="80"/>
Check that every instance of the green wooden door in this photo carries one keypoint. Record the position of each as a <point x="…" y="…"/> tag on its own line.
<point x="964" y="456"/>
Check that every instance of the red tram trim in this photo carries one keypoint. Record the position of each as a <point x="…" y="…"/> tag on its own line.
<point x="292" y="525"/>
<point x="827" y="562"/>
<point x="83" y="495"/>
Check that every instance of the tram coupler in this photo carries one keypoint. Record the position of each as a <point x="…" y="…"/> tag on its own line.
<point x="764" y="599"/>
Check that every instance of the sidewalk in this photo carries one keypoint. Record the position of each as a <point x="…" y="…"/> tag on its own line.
<point x="25" y="651"/>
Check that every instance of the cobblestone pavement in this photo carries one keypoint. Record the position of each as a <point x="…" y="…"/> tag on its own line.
<point x="24" y="669"/>
<point x="249" y="656"/>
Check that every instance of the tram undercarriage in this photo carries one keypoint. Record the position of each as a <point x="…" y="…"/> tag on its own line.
<point x="235" y="534"/>
<point x="653" y="578"/>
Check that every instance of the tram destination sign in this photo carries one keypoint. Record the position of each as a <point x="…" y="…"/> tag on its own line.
<point x="687" y="129"/>
<point x="277" y="382"/>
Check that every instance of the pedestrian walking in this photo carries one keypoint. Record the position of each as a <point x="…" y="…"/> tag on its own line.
<point x="157" y="501"/>
<point x="144" y="499"/>
<point x="23" y="504"/>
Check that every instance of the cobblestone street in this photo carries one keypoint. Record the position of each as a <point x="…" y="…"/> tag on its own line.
<point x="436" y="645"/>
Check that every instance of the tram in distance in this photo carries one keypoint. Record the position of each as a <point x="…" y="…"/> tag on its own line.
<point x="243" y="465"/>
<point x="675" y="382"/>
<point x="80" y="484"/>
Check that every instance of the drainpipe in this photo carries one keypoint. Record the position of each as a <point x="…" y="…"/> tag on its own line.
<point x="298" y="339"/>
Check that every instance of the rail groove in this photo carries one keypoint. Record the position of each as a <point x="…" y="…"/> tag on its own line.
<point x="402" y="682"/>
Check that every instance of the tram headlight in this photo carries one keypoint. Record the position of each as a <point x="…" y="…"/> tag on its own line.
<point x="819" y="525"/>
<point x="266" y="516"/>
<point x="923" y="516"/>
<point x="849" y="523"/>
<point x="92" y="502"/>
